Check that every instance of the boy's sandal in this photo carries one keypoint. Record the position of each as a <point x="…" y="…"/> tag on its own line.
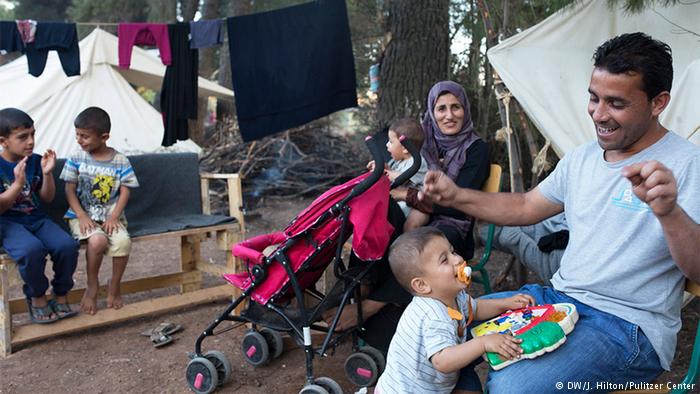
<point x="164" y="328"/>
<point x="159" y="339"/>
<point x="36" y="313"/>
<point x="62" y="310"/>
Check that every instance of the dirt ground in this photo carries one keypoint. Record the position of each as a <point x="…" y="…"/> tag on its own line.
<point x="117" y="359"/>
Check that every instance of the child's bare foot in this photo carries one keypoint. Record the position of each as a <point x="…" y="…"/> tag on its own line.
<point x="89" y="302"/>
<point x="114" y="298"/>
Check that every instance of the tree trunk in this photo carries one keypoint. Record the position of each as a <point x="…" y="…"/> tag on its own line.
<point x="207" y="66"/>
<point x="416" y="57"/>
<point x="189" y="9"/>
<point x="507" y="114"/>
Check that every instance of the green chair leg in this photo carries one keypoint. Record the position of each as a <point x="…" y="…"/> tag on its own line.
<point x="483" y="278"/>
<point x="692" y="376"/>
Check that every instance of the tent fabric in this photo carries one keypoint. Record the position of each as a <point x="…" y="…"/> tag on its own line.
<point x="548" y="66"/>
<point x="53" y="99"/>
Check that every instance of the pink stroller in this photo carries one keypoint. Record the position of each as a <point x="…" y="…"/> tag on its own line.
<point x="304" y="249"/>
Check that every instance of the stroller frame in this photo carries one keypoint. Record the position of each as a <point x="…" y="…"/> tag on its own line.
<point x="301" y="330"/>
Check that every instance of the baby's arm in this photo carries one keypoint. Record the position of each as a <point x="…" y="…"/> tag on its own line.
<point x="9" y="196"/>
<point x="488" y="308"/>
<point x="112" y="223"/>
<point x="454" y="358"/>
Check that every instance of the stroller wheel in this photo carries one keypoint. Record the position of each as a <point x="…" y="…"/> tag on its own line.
<point x="201" y="375"/>
<point x="255" y="349"/>
<point x="221" y="363"/>
<point x="313" y="389"/>
<point x="274" y="341"/>
<point x="361" y="369"/>
<point x="376" y="355"/>
<point x="329" y="385"/>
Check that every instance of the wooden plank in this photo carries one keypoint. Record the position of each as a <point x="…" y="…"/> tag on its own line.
<point x="5" y="312"/>
<point x="18" y="305"/>
<point x="233" y="226"/>
<point x="33" y="332"/>
<point x="210" y="268"/>
<point x="206" y="201"/>
<point x="190" y="254"/>
<point x="209" y="175"/>
<point x="235" y="201"/>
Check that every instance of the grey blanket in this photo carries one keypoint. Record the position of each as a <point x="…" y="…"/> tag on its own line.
<point x="168" y="199"/>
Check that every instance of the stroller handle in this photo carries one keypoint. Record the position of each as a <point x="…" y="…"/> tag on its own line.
<point x="415" y="166"/>
<point x="378" y="157"/>
<point x="251" y="250"/>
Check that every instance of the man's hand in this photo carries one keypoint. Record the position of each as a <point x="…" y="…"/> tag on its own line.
<point x="653" y="183"/>
<point x="438" y="187"/>
<point x="19" y="171"/>
<point x="48" y="162"/>
<point x="111" y="225"/>
<point x="506" y="345"/>
<point x="517" y="301"/>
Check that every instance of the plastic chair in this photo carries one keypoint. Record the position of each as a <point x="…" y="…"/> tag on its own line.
<point x="492" y="185"/>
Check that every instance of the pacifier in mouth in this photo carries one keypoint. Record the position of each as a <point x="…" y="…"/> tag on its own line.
<point x="464" y="273"/>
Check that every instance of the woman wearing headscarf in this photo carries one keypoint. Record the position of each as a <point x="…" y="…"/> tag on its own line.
<point x="453" y="147"/>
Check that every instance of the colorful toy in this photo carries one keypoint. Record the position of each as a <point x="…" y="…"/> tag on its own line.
<point x="542" y="328"/>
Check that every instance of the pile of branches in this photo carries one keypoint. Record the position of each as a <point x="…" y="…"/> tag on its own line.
<point x="304" y="161"/>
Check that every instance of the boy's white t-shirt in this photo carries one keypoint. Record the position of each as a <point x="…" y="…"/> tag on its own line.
<point x="425" y="328"/>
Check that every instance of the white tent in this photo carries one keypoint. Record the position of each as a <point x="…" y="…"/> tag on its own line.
<point x="548" y="66"/>
<point x="53" y="99"/>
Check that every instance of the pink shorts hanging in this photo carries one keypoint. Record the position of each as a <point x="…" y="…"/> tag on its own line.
<point x="131" y="34"/>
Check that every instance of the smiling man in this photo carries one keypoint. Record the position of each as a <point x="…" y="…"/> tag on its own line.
<point x="632" y="204"/>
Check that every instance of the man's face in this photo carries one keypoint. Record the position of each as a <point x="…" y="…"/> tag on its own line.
<point x="18" y="144"/>
<point x="625" y="119"/>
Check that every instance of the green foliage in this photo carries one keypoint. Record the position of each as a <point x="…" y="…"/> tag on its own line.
<point x="42" y="10"/>
<point x="108" y="10"/>
<point x="6" y="13"/>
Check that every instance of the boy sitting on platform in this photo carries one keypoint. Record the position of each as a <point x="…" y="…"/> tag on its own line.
<point x="26" y="231"/>
<point x="98" y="179"/>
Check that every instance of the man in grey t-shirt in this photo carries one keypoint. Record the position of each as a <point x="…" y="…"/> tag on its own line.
<point x="632" y="207"/>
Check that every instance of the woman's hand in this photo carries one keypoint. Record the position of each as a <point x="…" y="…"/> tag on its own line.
<point x="399" y="194"/>
<point x="517" y="301"/>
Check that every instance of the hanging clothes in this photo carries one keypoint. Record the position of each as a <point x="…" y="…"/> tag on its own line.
<point x="178" y="96"/>
<point x="291" y="66"/>
<point x="27" y="30"/>
<point x="10" y="39"/>
<point x="59" y="36"/>
<point x="131" y="34"/>
<point x="206" y="33"/>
